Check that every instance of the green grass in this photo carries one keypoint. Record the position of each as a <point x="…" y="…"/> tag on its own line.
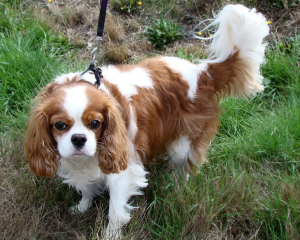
<point x="248" y="190"/>
<point x="31" y="55"/>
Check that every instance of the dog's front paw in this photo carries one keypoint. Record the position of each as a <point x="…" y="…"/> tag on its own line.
<point x="76" y="209"/>
<point x="81" y="207"/>
<point x="112" y="233"/>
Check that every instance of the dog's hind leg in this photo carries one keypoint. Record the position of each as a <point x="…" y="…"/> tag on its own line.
<point x="197" y="154"/>
<point x="179" y="153"/>
<point x="188" y="154"/>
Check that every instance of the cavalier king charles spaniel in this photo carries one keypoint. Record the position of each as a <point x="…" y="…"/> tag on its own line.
<point x="94" y="137"/>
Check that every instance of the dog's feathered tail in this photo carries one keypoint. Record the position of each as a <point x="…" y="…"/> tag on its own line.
<point x="236" y="52"/>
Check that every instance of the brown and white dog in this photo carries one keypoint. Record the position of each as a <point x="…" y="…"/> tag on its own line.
<point x="102" y="137"/>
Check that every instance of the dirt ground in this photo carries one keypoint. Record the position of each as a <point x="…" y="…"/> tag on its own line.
<point x="124" y="38"/>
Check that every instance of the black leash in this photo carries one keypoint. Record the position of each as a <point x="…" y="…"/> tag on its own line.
<point x="93" y="65"/>
<point x="101" y="21"/>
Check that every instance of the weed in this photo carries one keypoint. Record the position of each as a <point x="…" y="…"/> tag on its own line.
<point x="284" y="3"/>
<point x="127" y="6"/>
<point x="290" y="45"/>
<point x="163" y="32"/>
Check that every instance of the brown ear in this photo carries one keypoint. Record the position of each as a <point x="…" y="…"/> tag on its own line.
<point x="39" y="147"/>
<point x="114" y="148"/>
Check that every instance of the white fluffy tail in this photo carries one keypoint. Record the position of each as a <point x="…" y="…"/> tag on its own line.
<point x="239" y="29"/>
<point x="239" y="35"/>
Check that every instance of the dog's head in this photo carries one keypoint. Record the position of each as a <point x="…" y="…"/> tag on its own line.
<point x="75" y="119"/>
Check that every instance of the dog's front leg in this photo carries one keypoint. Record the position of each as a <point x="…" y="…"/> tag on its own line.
<point x="88" y="193"/>
<point x="121" y="187"/>
<point x="85" y="202"/>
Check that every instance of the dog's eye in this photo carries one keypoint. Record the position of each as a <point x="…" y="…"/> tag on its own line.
<point x="60" y="126"/>
<point x="94" y="124"/>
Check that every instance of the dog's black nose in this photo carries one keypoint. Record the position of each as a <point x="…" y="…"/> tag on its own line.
<point x="78" y="140"/>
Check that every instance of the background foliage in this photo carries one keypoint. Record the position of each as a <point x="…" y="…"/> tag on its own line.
<point x="250" y="187"/>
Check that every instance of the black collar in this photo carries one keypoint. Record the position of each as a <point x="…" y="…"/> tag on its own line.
<point x="97" y="72"/>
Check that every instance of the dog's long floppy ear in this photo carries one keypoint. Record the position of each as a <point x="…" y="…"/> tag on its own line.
<point x="39" y="147"/>
<point x="114" y="143"/>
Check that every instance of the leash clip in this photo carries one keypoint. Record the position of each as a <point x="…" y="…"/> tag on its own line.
<point x="96" y="50"/>
<point x="93" y="65"/>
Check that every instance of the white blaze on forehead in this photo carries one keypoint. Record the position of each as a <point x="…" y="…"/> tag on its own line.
<point x="75" y="101"/>
<point x="127" y="81"/>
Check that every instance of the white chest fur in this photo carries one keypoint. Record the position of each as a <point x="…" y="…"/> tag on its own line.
<point x="81" y="172"/>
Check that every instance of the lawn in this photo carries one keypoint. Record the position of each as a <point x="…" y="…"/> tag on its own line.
<point x="250" y="189"/>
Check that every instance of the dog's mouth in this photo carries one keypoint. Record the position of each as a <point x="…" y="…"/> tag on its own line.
<point x="78" y="152"/>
